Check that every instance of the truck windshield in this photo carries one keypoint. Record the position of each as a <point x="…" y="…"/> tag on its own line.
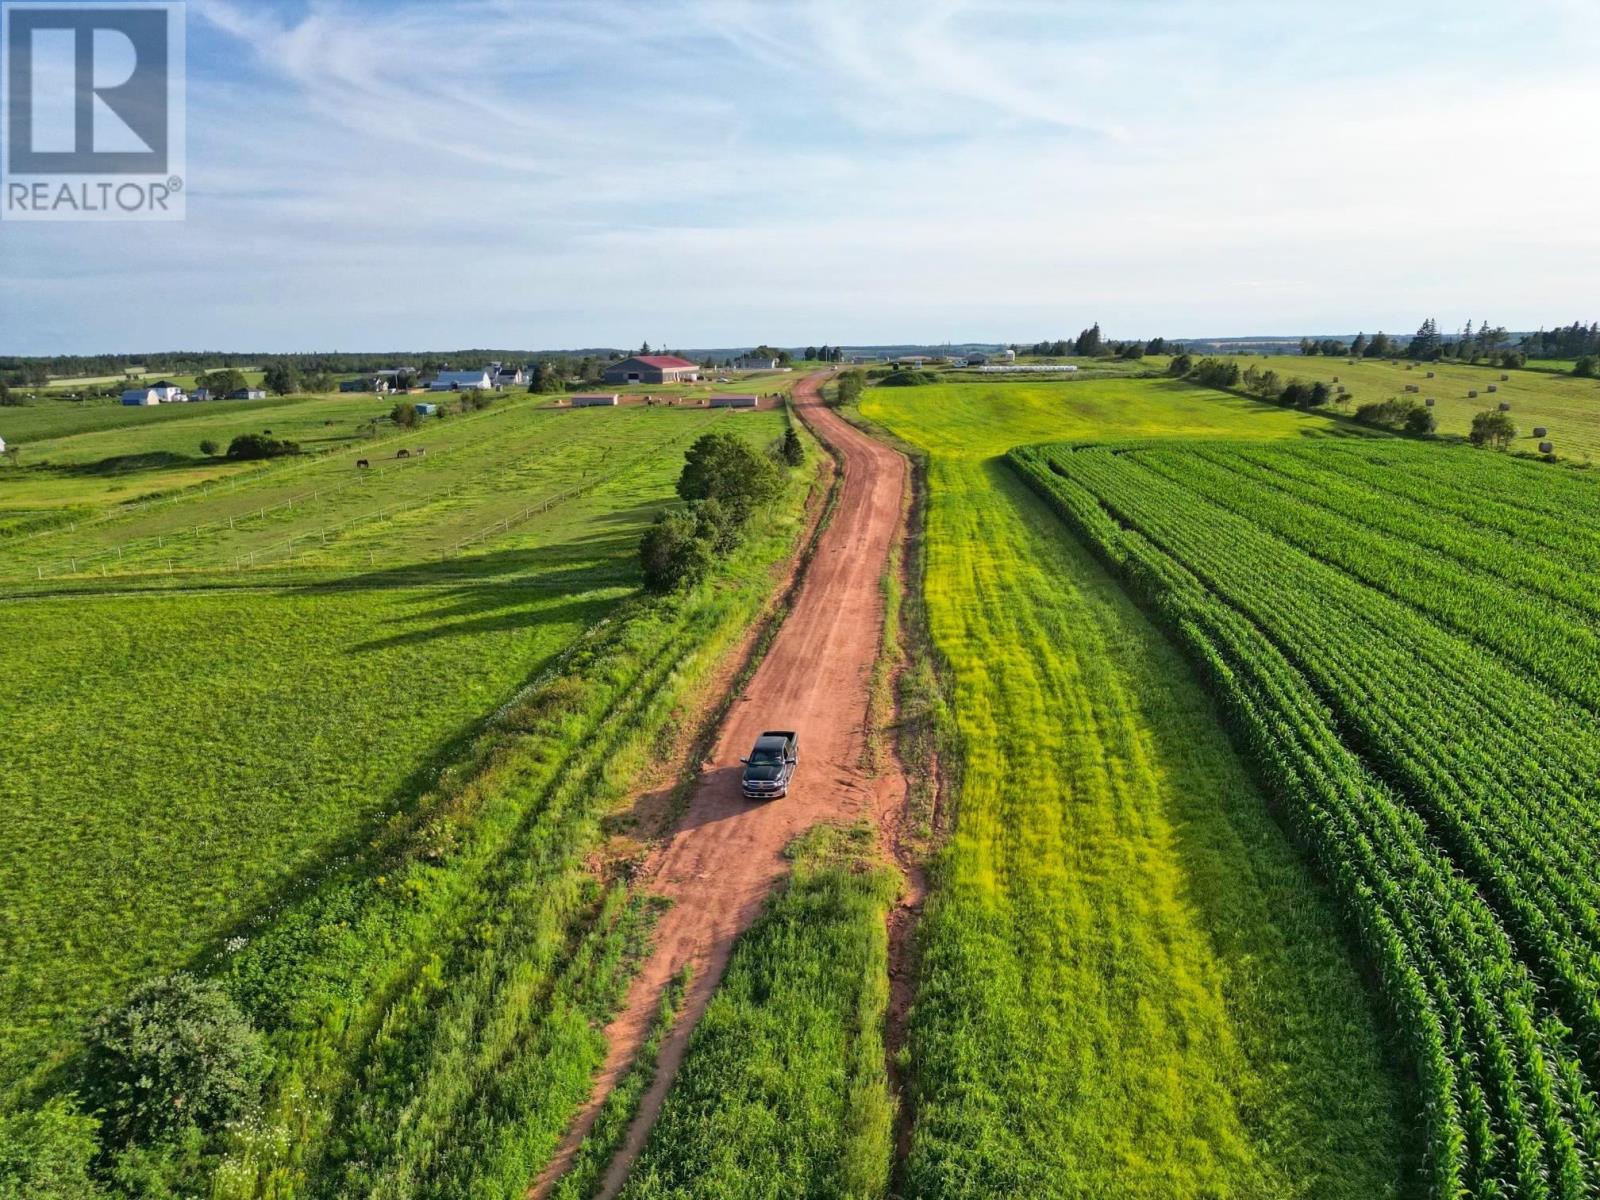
<point x="765" y="754"/>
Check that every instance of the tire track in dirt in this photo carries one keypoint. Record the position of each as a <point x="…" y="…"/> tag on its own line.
<point x="726" y="854"/>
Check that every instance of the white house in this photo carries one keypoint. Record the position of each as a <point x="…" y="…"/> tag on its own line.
<point x="596" y="400"/>
<point x="140" y="398"/>
<point x="462" y="381"/>
<point x="505" y="376"/>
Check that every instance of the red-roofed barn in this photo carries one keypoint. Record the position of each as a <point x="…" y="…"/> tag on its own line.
<point x="653" y="368"/>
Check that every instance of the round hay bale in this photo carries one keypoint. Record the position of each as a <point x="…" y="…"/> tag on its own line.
<point x="1429" y="401"/>
<point x="1493" y="388"/>
<point x="1539" y="431"/>
<point x="1430" y="374"/>
<point x="1504" y="407"/>
<point x="1473" y="394"/>
<point x="1547" y="447"/>
<point x="1505" y="379"/>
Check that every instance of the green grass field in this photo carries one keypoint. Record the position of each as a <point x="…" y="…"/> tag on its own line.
<point x="188" y="744"/>
<point x="1131" y="983"/>
<point x="1402" y="634"/>
<point x="1569" y="408"/>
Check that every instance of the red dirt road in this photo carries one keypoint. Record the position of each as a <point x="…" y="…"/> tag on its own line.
<point x="726" y="854"/>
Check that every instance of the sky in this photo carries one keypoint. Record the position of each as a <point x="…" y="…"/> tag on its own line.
<point x="716" y="173"/>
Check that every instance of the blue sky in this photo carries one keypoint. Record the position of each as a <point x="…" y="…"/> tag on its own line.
<point x="549" y="173"/>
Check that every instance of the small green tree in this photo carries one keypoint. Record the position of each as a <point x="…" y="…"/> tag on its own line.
<point x="1587" y="367"/>
<point x="793" y="449"/>
<point x="7" y="400"/>
<point x="674" y="553"/>
<point x="209" y="448"/>
<point x="1420" y="421"/>
<point x="281" y="379"/>
<point x="404" y="415"/>
<point x="725" y="467"/>
<point x="1493" y="429"/>
<point x="177" y="1055"/>
<point x="1180" y="366"/>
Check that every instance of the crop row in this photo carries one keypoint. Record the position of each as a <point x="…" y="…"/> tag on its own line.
<point x="1447" y="795"/>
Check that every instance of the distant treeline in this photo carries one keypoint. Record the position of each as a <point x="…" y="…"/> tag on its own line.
<point x="1486" y="342"/>
<point x="1091" y="343"/>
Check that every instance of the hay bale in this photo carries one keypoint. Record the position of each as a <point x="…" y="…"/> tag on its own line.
<point x="1547" y="447"/>
<point x="1504" y="407"/>
<point x="1505" y="379"/>
<point x="1473" y="394"/>
<point x="1429" y="401"/>
<point x="1493" y="388"/>
<point x="1336" y="379"/>
<point x="1540" y="431"/>
<point x="1411" y="387"/>
<point x="1430" y="374"/>
<point x="1411" y="366"/>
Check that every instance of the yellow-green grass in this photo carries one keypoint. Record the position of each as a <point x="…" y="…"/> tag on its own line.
<point x="1568" y="407"/>
<point x="784" y="1091"/>
<point x="1130" y="982"/>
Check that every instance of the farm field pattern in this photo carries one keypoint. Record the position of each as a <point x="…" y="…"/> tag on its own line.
<point x="1130" y="985"/>
<point x="1402" y="636"/>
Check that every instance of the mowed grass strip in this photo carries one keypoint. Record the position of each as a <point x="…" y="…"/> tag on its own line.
<point x="784" y="1089"/>
<point x="1131" y="984"/>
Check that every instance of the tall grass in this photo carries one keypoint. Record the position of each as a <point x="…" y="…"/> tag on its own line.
<point x="784" y="1089"/>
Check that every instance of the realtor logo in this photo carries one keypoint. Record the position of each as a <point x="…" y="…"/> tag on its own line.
<point x="94" y="110"/>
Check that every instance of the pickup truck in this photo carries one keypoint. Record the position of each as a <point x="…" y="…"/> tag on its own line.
<point x="771" y="765"/>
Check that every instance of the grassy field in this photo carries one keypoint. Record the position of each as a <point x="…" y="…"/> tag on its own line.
<point x="292" y="781"/>
<point x="1130" y="984"/>
<point x="1402" y="634"/>
<point x="1569" y="408"/>
<point x="784" y="1090"/>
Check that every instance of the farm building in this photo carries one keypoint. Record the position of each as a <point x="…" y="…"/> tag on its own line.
<point x="462" y="381"/>
<point x="426" y="410"/>
<point x="140" y="398"/>
<point x="247" y="394"/>
<point x="653" y="368"/>
<point x="733" y="400"/>
<point x="751" y="362"/>
<point x="507" y="376"/>
<point x="596" y="400"/>
<point x="367" y="383"/>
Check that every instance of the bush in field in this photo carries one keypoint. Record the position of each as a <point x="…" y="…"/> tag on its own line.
<point x="1180" y="366"/>
<point x="1420" y="420"/>
<point x="209" y="448"/>
<point x="908" y="379"/>
<point x="675" y="552"/>
<point x="404" y="415"/>
<point x="725" y="467"/>
<point x="250" y="447"/>
<point x="1216" y="372"/>
<point x="1587" y="367"/>
<point x="850" y="386"/>
<point x="177" y="1055"/>
<point x="45" y="1155"/>
<point x="1495" y="430"/>
<point x="1397" y="414"/>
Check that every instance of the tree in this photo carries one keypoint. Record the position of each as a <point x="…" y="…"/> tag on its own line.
<point x="1381" y="346"/>
<point x="1180" y="366"/>
<point x="723" y="466"/>
<point x="1587" y="367"/>
<point x="404" y="415"/>
<point x="793" y="450"/>
<point x="1420" y="420"/>
<point x="1425" y="345"/>
<point x="209" y="448"/>
<point x="221" y="383"/>
<point x="1358" y="347"/>
<point x="7" y="399"/>
<point x="1090" y="342"/>
<point x="178" y="1054"/>
<point x="673" y="554"/>
<point x="545" y="379"/>
<point x="1493" y="429"/>
<point x="281" y="379"/>
<point x="811" y="354"/>
<point x="251" y="447"/>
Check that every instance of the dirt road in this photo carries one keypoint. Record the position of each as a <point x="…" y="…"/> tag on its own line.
<point x="726" y="854"/>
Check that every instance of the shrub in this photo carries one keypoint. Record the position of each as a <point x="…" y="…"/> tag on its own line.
<point x="45" y="1155"/>
<point x="725" y="467"/>
<point x="850" y="387"/>
<point x="404" y="415"/>
<point x="1587" y="367"/>
<point x="209" y="448"/>
<point x="1395" y="413"/>
<point x="908" y="379"/>
<point x="1216" y="372"/>
<point x="1420" y="420"/>
<point x="177" y="1055"/>
<point x="1496" y="430"/>
<point x="1180" y="366"/>
<point x="1512" y="360"/>
<point x="248" y="447"/>
<point x="674" y="552"/>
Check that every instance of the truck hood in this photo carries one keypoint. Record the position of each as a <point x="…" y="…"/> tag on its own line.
<point x="763" y="772"/>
